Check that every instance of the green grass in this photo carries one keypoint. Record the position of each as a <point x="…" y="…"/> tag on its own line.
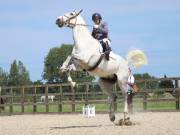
<point x="161" y="106"/>
<point x="137" y="106"/>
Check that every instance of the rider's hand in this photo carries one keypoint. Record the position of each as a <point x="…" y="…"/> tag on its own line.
<point x="96" y="26"/>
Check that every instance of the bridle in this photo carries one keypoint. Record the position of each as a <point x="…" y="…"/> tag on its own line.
<point x="71" y="25"/>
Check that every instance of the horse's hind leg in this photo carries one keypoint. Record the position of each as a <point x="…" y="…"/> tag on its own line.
<point x="123" y="86"/>
<point x="107" y="88"/>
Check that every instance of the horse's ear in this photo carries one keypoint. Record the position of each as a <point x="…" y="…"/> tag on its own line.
<point x="80" y="11"/>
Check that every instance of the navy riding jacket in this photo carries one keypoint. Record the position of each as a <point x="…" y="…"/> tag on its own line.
<point x="101" y="32"/>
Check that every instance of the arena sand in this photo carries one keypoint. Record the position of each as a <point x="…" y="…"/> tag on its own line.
<point x="149" y="123"/>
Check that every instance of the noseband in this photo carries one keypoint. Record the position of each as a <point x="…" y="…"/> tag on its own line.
<point x="71" y="25"/>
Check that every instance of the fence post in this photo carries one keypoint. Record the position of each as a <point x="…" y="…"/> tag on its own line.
<point x="11" y="100"/>
<point x="60" y="99"/>
<point x="34" y="101"/>
<point x="145" y="101"/>
<point x="46" y="95"/>
<point x="145" y="84"/>
<point x="87" y="89"/>
<point x="73" y="99"/>
<point x="177" y="95"/>
<point x="22" y="100"/>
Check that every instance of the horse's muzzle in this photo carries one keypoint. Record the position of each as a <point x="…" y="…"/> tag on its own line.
<point x="59" y="22"/>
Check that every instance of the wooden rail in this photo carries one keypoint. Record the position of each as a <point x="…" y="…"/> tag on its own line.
<point x="25" y="96"/>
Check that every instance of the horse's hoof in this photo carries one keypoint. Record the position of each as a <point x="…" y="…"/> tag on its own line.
<point x="120" y="122"/>
<point x="128" y="123"/>
<point x="128" y="118"/>
<point x="123" y="122"/>
<point x="112" y="118"/>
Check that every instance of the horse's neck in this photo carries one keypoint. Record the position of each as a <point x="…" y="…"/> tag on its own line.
<point x="83" y="40"/>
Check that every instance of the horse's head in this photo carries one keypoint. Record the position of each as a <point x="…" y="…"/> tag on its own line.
<point x="69" y="19"/>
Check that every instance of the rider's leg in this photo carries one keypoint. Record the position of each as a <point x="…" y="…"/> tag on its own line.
<point x="105" y="45"/>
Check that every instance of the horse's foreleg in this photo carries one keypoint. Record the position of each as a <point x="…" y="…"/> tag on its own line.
<point x="71" y="81"/>
<point x="65" y="65"/>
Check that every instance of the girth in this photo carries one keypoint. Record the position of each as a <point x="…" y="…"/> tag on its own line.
<point x="98" y="62"/>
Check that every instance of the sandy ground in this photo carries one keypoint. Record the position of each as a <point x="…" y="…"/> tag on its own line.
<point x="150" y="123"/>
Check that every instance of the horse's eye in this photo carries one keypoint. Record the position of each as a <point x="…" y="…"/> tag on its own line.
<point x="71" y="14"/>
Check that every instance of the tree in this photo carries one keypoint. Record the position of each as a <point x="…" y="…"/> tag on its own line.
<point x="166" y="83"/>
<point x="18" y="75"/>
<point x="38" y="82"/>
<point x="3" y="77"/>
<point x="144" y="76"/>
<point x="13" y="74"/>
<point x="54" y="60"/>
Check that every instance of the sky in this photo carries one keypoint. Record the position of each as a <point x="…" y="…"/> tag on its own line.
<point x="28" y="31"/>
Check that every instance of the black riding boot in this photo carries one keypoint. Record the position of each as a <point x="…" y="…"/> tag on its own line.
<point x="106" y="49"/>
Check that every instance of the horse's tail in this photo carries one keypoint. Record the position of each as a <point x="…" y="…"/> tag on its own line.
<point x="136" y="58"/>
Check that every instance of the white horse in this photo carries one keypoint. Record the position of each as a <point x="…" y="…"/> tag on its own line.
<point x="88" y="55"/>
<point x="49" y="97"/>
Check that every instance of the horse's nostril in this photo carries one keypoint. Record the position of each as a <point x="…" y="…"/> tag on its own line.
<point x="58" y="21"/>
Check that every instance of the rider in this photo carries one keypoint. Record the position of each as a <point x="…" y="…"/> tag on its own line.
<point x="100" y="32"/>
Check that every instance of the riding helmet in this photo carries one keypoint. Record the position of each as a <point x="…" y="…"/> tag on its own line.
<point x="96" y="16"/>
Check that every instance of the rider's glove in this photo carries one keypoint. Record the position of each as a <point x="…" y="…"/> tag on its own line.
<point x="96" y="30"/>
